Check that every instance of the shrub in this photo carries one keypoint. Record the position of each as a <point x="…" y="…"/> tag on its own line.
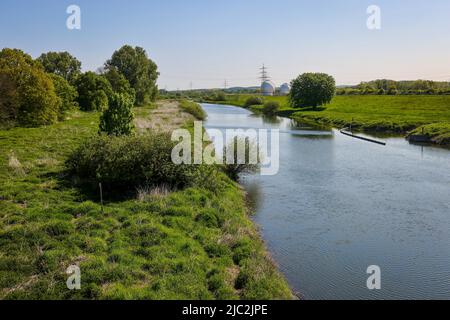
<point x="271" y="108"/>
<point x="27" y="93"/>
<point x="66" y="93"/>
<point x="312" y="90"/>
<point x="118" y="118"/>
<point x="253" y="101"/>
<point x="127" y="163"/>
<point x="193" y="108"/>
<point x="93" y="91"/>
<point x="240" y="166"/>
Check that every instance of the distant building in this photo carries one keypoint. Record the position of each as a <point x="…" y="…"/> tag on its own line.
<point x="267" y="88"/>
<point x="285" y="89"/>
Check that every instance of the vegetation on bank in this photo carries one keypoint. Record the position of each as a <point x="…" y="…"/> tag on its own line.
<point x="162" y="243"/>
<point x="371" y="113"/>
<point x="193" y="108"/>
<point x="438" y="133"/>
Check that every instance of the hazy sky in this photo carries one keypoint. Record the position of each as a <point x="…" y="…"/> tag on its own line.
<point x="208" y="41"/>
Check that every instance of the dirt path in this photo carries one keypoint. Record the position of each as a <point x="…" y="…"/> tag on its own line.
<point x="166" y="117"/>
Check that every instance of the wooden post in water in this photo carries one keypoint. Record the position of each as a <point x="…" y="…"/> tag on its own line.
<point x="101" y="194"/>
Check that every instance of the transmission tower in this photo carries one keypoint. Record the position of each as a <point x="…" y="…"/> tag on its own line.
<point x="264" y="75"/>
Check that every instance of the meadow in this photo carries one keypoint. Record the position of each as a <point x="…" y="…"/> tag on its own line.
<point x="397" y="114"/>
<point x="161" y="244"/>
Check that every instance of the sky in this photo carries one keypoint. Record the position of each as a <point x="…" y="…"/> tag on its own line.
<point x="202" y="43"/>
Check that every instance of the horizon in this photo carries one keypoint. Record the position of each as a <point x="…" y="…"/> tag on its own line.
<point x="202" y="44"/>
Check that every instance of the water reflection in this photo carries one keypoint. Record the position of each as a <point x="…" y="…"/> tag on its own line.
<point x="339" y="205"/>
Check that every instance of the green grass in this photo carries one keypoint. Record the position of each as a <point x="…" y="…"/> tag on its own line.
<point x="439" y="133"/>
<point x="390" y="114"/>
<point x="193" y="108"/>
<point x="190" y="244"/>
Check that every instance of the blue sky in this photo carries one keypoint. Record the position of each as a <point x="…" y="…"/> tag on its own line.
<point x="208" y="41"/>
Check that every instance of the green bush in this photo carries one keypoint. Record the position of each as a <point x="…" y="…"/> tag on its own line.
<point x="193" y="108"/>
<point x="93" y="92"/>
<point x="253" y="101"/>
<point x="117" y="120"/>
<point x="66" y="93"/>
<point x="126" y="163"/>
<point x="312" y="90"/>
<point x="240" y="166"/>
<point x="271" y="108"/>
<point x="27" y="93"/>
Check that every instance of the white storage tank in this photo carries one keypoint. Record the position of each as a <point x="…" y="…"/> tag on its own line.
<point x="285" y="89"/>
<point x="267" y="88"/>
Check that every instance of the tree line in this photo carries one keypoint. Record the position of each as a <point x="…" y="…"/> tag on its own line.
<point x="392" y="87"/>
<point x="35" y="92"/>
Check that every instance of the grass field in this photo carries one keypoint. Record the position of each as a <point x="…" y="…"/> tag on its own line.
<point x="390" y="114"/>
<point x="190" y="244"/>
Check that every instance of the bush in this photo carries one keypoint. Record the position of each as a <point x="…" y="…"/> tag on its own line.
<point x="117" y="120"/>
<point x="27" y="93"/>
<point x="193" y="108"/>
<point x="126" y="163"/>
<point x="240" y="166"/>
<point x="66" y="93"/>
<point x="271" y="108"/>
<point x="312" y="90"/>
<point x="93" y="92"/>
<point x="253" y="101"/>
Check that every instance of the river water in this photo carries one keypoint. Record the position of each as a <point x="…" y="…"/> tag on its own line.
<point x="339" y="205"/>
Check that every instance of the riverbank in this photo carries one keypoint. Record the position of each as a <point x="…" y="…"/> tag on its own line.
<point x="374" y="114"/>
<point x="188" y="244"/>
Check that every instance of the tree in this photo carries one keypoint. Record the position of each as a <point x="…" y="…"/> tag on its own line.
<point x="271" y="108"/>
<point x="27" y="93"/>
<point x="93" y="92"/>
<point x="117" y="120"/>
<point x="312" y="90"/>
<point x="140" y="71"/>
<point x="62" y="64"/>
<point x="67" y="94"/>
<point x="119" y="83"/>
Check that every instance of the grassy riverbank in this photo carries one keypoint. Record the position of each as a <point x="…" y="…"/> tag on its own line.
<point x="190" y="244"/>
<point x="384" y="114"/>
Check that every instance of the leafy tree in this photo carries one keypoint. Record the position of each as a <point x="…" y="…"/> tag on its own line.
<point x="312" y="90"/>
<point x="62" y="64"/>
<point x="93" y="91"/>
<point x="119" y="83"/>
<point x="253" y="101"/>
<point x="117" y="120"/>
<point x="140" y="71"/>
<point x="27" y="93"/>
<point x="66" y="93"/>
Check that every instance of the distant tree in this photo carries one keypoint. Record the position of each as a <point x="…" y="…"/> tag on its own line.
<point x="253" y="101"/>
<point x="119" y="83"/>
<point x="312" y="90"/>
<point x="67" y="94"/>
<point x="62" y="64"/>
<point x="140" y="71"/>
<point x="27" y="93"/>
<point x="93" y="91"/>
<point x="117" y="119"/>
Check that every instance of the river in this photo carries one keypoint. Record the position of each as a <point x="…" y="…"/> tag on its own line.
<point x="339" y="205"/>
